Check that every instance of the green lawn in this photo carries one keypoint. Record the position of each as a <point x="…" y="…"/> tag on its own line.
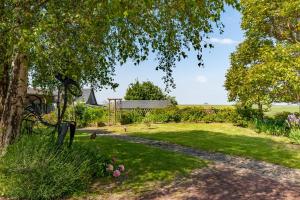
<point x="224" y="138"/>
<point x="278" y="109"/>
<point x="146" y="166"/>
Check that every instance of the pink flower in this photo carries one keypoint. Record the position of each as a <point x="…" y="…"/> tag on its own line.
<point x="121" y="168"/>
<point x="116" y="173"/>
<point x="110" y="168"/>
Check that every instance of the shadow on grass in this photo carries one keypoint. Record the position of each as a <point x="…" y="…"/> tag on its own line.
<point x="143" y="164"/>
<point x="258" y="148"/>
<point x="227" y="184"/>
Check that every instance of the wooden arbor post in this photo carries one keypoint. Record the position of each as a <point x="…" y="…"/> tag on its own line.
<point x="115" y="110"/>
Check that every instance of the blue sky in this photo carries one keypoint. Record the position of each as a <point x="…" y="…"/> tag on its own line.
<point x="194" y="85"/>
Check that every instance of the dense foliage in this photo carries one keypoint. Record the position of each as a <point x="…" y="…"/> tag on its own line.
<point x="265" y="67"/>
<point x="191" y="114"/>
<point x="144" y="91"/>
<point x="33" y="168"/>
<point x="87" y="115"/>
<point x="86" y="39"/>
<point x="83" y="114"/>
<point x="147" y="91"/>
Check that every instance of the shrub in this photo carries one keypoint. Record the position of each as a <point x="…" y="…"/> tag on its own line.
<point x="92" y="115"/>
<point x="282" y="117"/>
<point x="293" y="121"/>
<point x="132" y="116"/>
<point x="192" y="114"/>
<point x="83" y="114"/>
<point x="248" y="113"/>
<point x="86" y="115"/>
<point x="51" y="117"/>
<point x="126" y="119"/>
<point x="166" y="115"/>
<point x="147" y="121"/>
<point x="271" y="126"/>
<point x="295" y="135"/>
<point x="33" y="168"/>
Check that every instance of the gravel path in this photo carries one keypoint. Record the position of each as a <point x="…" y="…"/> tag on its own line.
<point x="226" y="178"/>
<point x="264" y="169"/>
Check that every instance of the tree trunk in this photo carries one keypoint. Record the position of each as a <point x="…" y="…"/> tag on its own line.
<point x="14" y="103"/>
<point x="260" y="110"/>
<point x="4" y="83"/>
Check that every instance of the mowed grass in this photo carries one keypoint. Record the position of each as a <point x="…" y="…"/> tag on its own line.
<point x="279" y="109"/>
<point x="224" y="138"/>
<point x="146" y="166"/>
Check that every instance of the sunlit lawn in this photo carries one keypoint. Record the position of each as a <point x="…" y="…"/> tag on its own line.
<point x="224" y="138"/>
<point x="145" y="165"/>
<point x="278" y="109"/>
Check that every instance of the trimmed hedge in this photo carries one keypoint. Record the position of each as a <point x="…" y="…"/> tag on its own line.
<point x="190" y="114"/>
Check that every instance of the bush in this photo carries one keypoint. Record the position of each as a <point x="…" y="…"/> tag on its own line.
<point x="248" y="113"/>
<point x="86" y="115"/>
<point x="166" y="115"/>
<point x="132" y="116"/>
<point x="33" y="168"/>
<point x="271" y="126"/>
<point x="192" y="114"/>
<point x="83" y="114"/>
<point x="295" y="135"/>
<point x="282" y="117"/>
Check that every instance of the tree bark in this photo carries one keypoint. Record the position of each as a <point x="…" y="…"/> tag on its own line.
<point x="10" y="123"/>
<point x="260" y="110"/>
<point x="4" y="83"/>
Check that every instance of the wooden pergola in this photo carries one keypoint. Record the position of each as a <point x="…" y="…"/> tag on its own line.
<point x="113" y="108"/>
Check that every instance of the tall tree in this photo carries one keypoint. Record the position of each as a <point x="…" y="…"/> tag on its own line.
<point x="85" y="39"/>
<point x="144" y="91"/>
<point x="264" y="68"/>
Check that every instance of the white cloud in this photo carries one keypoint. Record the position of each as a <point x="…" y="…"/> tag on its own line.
<point x="223" y="41"/>
<point x="201" y="79"/>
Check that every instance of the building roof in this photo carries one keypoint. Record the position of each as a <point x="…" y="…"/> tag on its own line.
<point x="144" y="104"/>
<point x="88" y="97"/>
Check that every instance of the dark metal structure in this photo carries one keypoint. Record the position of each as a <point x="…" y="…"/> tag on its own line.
<point x="33" y="112"/>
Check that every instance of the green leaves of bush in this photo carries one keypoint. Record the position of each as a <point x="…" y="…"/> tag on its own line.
<point x="188" y="114"/>
<point x="86" y="115"/>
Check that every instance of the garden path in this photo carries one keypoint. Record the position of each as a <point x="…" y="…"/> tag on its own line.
<point x="228" y="177"/>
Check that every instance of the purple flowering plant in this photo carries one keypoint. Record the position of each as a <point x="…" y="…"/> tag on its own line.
<point x="293" y="121"/>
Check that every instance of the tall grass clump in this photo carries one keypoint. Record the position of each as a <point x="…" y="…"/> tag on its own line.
<point x="281" y="124"/>
<point x="294" y="123"/>
<point x="295" y="135"/>
<point x="271" y="126"/>
<point x="34" y="168"/>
